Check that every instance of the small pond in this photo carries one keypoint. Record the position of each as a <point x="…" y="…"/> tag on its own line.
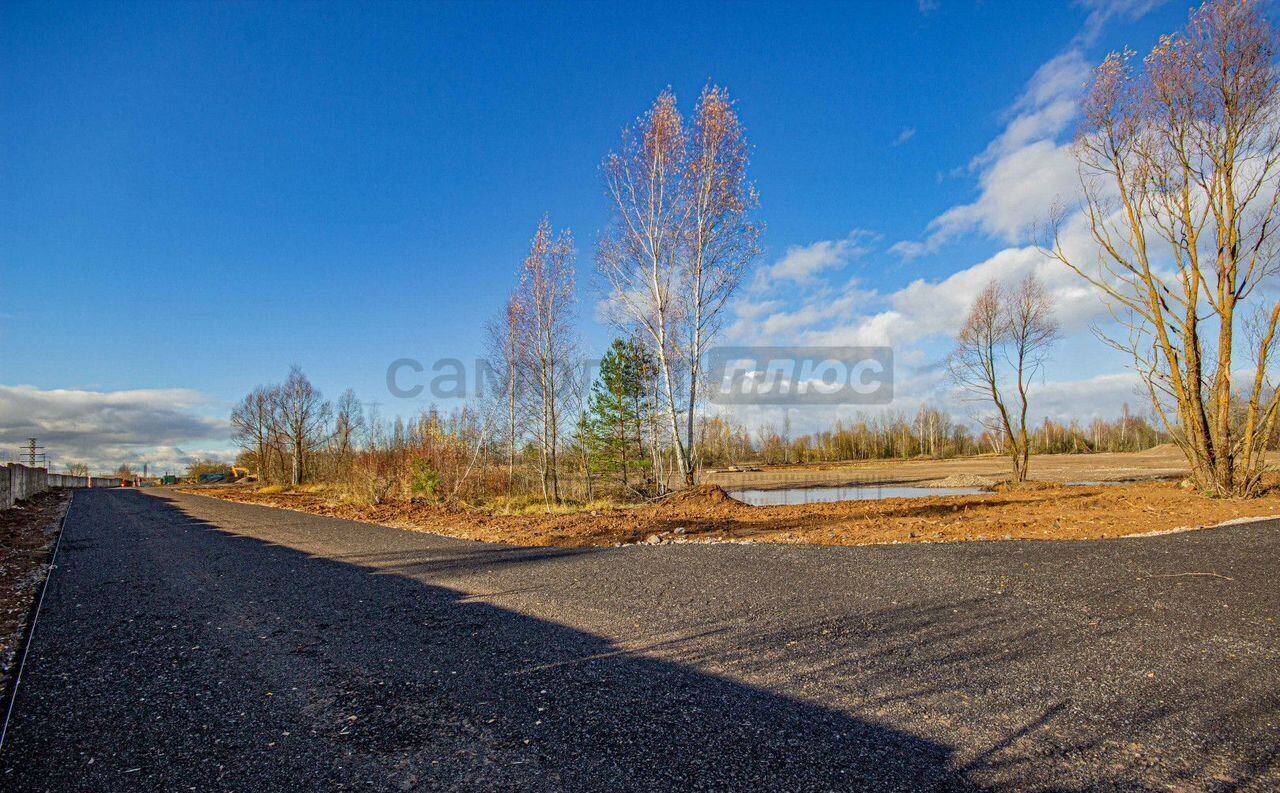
<point x="825" y="495"/>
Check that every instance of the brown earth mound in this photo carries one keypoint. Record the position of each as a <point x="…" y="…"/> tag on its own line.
<point x="696" y="498"/>
<point x="1028" y="486"/>
<point x="965" y="480"/>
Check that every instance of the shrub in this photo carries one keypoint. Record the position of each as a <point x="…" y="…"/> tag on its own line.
<point x="426" y="480"/>
<point x="372" y="481"/>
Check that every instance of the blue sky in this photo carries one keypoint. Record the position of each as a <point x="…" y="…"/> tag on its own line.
<point x="198" y="195"/>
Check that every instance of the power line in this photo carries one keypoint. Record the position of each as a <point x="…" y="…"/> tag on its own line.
<point x="33" y="452"/>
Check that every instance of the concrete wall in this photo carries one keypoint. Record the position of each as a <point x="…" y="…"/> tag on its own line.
<point x="25" y="482"/>
<point x="67" y="480"/>
<point x="18" y="482"/>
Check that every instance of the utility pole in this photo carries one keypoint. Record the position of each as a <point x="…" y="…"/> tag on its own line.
<point x="33" y="452"/>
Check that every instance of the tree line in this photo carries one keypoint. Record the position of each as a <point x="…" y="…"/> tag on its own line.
<point x="936" y="434"/>
<point x="288" y="433"/>
<point x="611" y="446"/>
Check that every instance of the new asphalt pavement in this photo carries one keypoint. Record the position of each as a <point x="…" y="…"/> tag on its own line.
<point x="187" y="643"/>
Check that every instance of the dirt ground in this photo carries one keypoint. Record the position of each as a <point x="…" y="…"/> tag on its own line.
<point x="1161" y="462"/>
<point x="1046" y="510"/>
<point x="27" y="532"/>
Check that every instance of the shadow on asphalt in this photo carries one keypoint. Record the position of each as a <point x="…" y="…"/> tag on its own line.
<point x="384" y="682"/>
<point x="1012" y="666"/>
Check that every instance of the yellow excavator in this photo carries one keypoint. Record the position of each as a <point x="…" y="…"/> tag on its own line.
<point x="242" y="473"/>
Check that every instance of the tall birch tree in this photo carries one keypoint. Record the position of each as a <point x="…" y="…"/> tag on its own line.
<point x="679" y="244"/>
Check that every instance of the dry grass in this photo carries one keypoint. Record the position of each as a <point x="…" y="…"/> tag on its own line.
<point x="708" y="514"/>
<point x="534" y="505"/>
<point x="275" y="490"/>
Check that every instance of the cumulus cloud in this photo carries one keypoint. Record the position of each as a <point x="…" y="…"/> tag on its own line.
<point x="1103" y="396"/>
<point x="802" y="262"/>
<point x="167" y="428"/>
<point x="920" y="320"/>
<point x="823" y="306"/>
<point x="1017" y="193"/>
<point x="931" y="309"/>
<point x="1045" y="108"/>
<point x="1024" y="171"/>
<point x="1028" y="167"/>
<point x="769" y="311"/>
<point x="1020" y="175"/>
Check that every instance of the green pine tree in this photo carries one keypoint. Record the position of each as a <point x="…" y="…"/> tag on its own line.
<point x="619" y="408"/>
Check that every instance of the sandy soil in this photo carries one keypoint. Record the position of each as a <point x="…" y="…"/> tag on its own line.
<point x="1043" y="511"/>
<point x="27" y="531"/>
<point x="1158" y="463"/>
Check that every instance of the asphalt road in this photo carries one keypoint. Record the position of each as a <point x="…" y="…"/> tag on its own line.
<point x="195" y="644"/>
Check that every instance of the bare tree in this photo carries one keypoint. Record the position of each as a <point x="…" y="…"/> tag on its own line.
<point x="999" y="351"/>
<point x="679" y="243"/>
<point x="1178" y="166"/>
<point x="303" y="414"/>
<point x="507" y="356"/>
<point x="253" y="426"/>
<point x="348" y="424"/>
<point x="722" y="242"/>
<point x="578" y="405"/>
<point x="639" y="255"/>
<point x="547" y="295"/>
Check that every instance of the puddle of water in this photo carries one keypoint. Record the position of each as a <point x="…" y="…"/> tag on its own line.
<point x="826" y="495"/>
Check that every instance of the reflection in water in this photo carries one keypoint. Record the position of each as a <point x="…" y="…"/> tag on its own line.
<point x="823" y="495"/>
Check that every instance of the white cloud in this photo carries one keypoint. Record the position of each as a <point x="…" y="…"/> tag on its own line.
<point x="1021" y="174"/>
<point x="905" y="135"/>
<point x="1103" y="11"/>
<point x="1027" y="168"/>
<point x="802" y="262"/>
<point x="1018" y="192"/>
<point x="919" y="321"/>
<point x="1103" y="396"/>
<point x="1044" y="110"/>
<point x="909" y="249"/>
<point x="818" y="308"/>
<point x="924" y="309"/>
<point x="167" y="428"/>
